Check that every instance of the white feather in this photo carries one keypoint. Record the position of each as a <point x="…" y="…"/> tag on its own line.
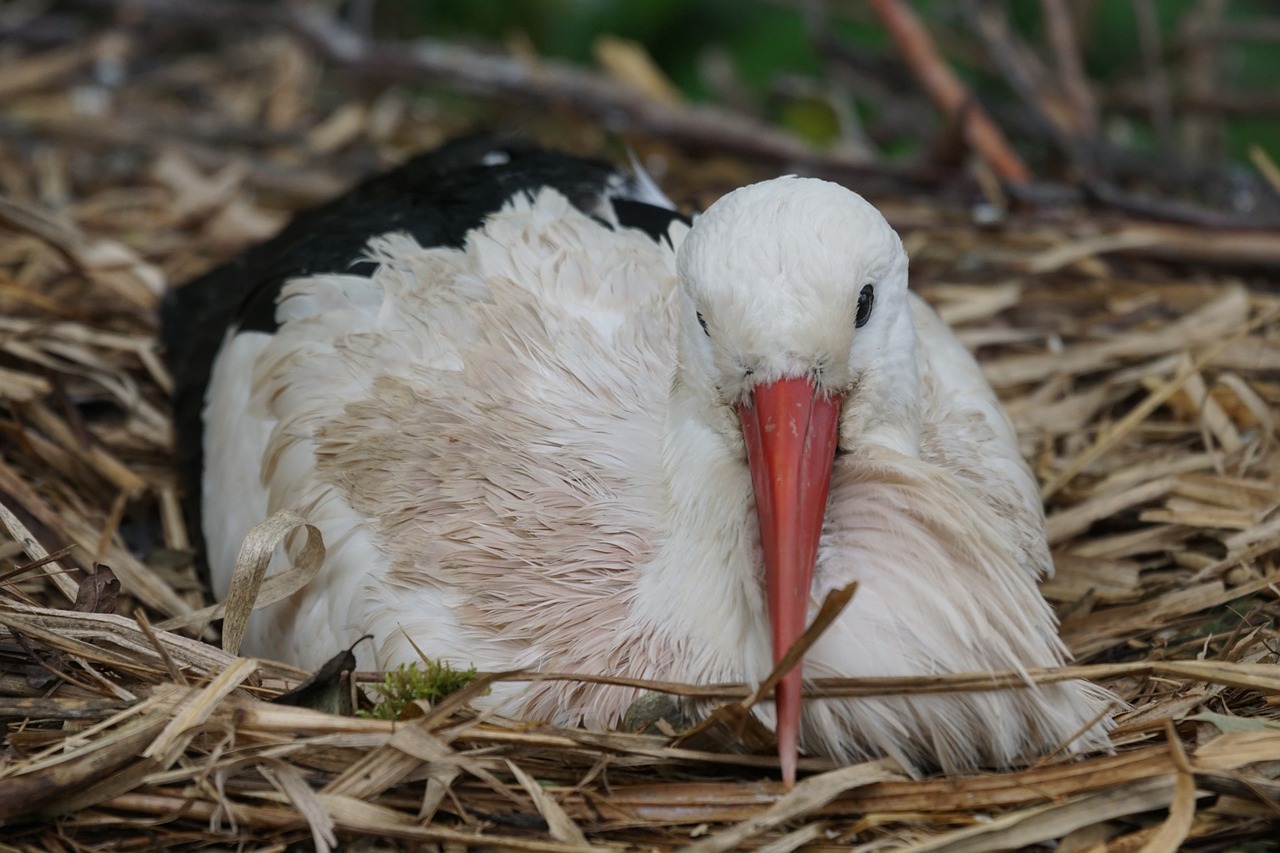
<point x="233" y="443"/>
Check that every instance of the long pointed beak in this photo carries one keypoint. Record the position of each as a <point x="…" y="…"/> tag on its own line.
<point x="790" y="431"/>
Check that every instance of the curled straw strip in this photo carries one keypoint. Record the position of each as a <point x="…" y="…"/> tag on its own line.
<point x="249" y="590"/>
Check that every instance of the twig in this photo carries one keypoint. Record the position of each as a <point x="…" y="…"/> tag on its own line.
<point x="1171" y="210"/>
<point x="947" y="91"/>
<point x="1203" y="133"/>
<point x="1265" y="166"/>
<point x="30" y="25"/>
<point x="1246" y="676"/>
<point x="1157" y="82"/>
<point x="1255" y="31"/>
<point x="1099" y="164"/>
<point x="10" y="576"/>
<point x="1021" y="69"/>
<point x="1232" y="104"/>
<point x="1031" y="79"/>
<point x="46" y="561"/>
<point x="1066" y="54"/>
<point x="617" y="106"/>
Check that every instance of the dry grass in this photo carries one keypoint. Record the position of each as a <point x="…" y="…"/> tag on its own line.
<point x="1145" y="392"/>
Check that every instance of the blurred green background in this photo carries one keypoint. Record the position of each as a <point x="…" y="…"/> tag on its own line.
<point x="764" y="56"/>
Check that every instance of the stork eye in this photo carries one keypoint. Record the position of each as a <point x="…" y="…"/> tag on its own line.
<point x="703" y="324"/>
<point x="866" y="299"/>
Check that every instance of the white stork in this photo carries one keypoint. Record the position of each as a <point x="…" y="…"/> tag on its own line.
<point x="542" y="422"/>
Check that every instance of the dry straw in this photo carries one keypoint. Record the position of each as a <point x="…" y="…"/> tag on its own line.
<point x="1145" y="394"/>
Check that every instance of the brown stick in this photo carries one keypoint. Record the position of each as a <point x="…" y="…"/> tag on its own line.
<point x="947" y="90"/>
<point x="1203" y="134"/>
<point x="1126" y="98"/>
<point x="1254" y="31"/>
<point x="619" y="107"/>
<point x="1066" y="55"/>
<point x="1159" y="106"/>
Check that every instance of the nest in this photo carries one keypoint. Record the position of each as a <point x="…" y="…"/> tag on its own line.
<point x="1143" y="376"/>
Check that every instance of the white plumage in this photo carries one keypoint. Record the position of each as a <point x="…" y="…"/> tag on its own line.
<point x="526" y="452"/>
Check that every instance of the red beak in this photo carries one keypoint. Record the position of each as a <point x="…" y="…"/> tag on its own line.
<point x="790" y="430"/>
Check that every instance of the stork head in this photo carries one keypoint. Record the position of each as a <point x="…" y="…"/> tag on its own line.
<point x="797" y="338"/>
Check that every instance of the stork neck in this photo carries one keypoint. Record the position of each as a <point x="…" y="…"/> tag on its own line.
<point x="705" y="586"/>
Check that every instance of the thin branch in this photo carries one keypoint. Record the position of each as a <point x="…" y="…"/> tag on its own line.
<point x="1256" y="31"/>
<point x="1231" y="104"/>
<point x="1157" y="81"/>
<point x="947" y="90"/>
<point x="620" y="108"/>
<point x="1173" y="210"/>
<point x="1031" y="80"/>
<point x="1066" y="55"/>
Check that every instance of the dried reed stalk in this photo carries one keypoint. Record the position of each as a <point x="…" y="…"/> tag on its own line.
<point x="1145" y="397"/>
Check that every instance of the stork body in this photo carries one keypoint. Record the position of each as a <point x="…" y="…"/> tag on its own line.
<point x="542" y="442"/>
